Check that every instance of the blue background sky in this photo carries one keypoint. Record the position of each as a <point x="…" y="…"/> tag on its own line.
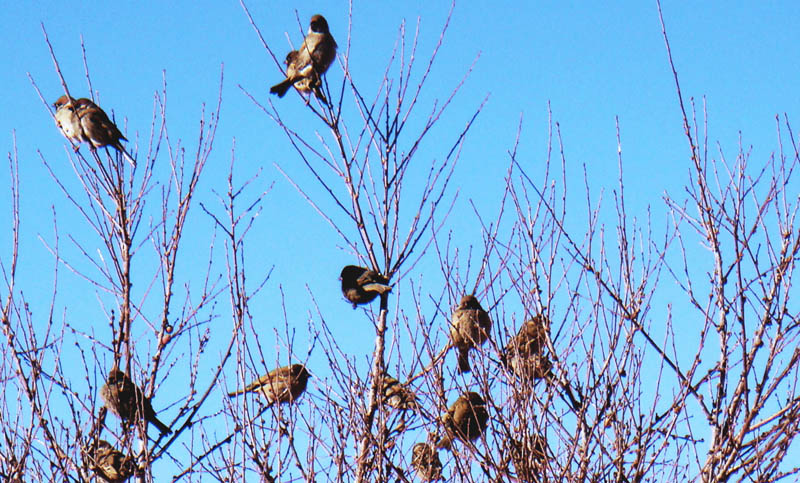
<point x="590" y="62"/>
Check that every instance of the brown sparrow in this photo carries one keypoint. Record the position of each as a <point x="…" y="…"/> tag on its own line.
<point x="469" y="328"/>
<point x="305" y="66"/>
<point x="525" y="357"/>
<point x="127" y="401"/>
<point x="466" y="419"/>
<point x="84" y="121"/>
<point x="397" y="395"/>
<point x="425" y="461"/>
<point x="524" y="353"/>
<point x="361" y="285"/>
<point x="110" y="465"/>
<point x="281" y="385"/>
<point x="529" y="457"/>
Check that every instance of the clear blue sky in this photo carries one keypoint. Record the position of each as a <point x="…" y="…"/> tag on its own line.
<point x="591" y="62"/>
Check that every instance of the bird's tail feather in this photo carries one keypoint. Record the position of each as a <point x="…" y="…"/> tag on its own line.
<point x="126" y="155"/>
<point x="463" y="361"/>
<point x="281" y="87"/>
<point x="161" y="426"/>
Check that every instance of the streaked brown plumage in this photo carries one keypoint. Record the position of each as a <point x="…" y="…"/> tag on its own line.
<point x="466" y="419"/>
<point x="524" y="353"/>
<point x="281" y="385"/>
<point x="469" y="328"/>
<point x="305" y="66"/>
<point x="529" y="457"/>
<point x="525" y="356"/>
<point x="361" y="285"/>
<point x="425" y="461"/>
<point x="397" y="395"/>
<point x="84" y="121"/>
<point x="110" y="465"/>
<point x="127" y="401"/>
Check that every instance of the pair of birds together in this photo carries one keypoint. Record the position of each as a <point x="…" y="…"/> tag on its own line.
<point x="123" y="398"/>
<point x="81" y="120"/>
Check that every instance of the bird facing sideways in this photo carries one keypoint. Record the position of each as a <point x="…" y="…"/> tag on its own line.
<point x="425" y="461"/>
<point x="110" y="465"/>
<point x="281" y="385"/>
<point x="469" y="328"/>
<point x="361" y="285"/>
<point x="466" y="419"/>
<point x="84" y="121"/>
<point x="127" y="401"/>
<point x="305" y="66"/>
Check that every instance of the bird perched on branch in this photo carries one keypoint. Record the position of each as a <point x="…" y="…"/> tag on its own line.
<point x="525" y="357"/>
<point x="84" y="121"/>
<point x="127" y="401"/>
<point x="529" y="456"/>
<point x="397" y="395"/>
<point x="425" y="461"/>
<point x="305" y="66"/>
<point x="466" y="419"/>
<point x="111" y="465"/>
<point x="524" y="353"/>
<point x="469" y="328"/>
<point x="281" y="385"/>
<point x="361" y="285"/>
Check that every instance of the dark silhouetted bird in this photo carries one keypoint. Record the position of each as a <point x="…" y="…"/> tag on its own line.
<point x="469" y="328"/>
<point x="361" y="285"/>
<point x="425" y="461"/>
<point x="397" y="395"/>
<point x="305" y="66"/>
<point x="281" y="385"/>
<point x="524" y="353"/>
<point x="466" y="419"/>
<point x="110" y="465"/>
<point x="84" y="121"/>
<point x="127" y="401"/>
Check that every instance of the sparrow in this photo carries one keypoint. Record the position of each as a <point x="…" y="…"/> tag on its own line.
<point x="466" y="419"/>
<point x="361" y="285"/>
<point x="470" y="327"/>
<point x="305" y="65"/>
<point x="84" y="121"/>
<point x="529" y="457"/>
<point x="397" y="395"/>
<point x="425" y="461"/>
<point x="281" y="385"/>
<point x="127" y="401"/>
<point x="524" y="353"/>
<point x="110" y="465"/>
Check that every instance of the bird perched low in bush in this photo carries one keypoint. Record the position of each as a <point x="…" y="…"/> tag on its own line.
<point x="281" y="385"/>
